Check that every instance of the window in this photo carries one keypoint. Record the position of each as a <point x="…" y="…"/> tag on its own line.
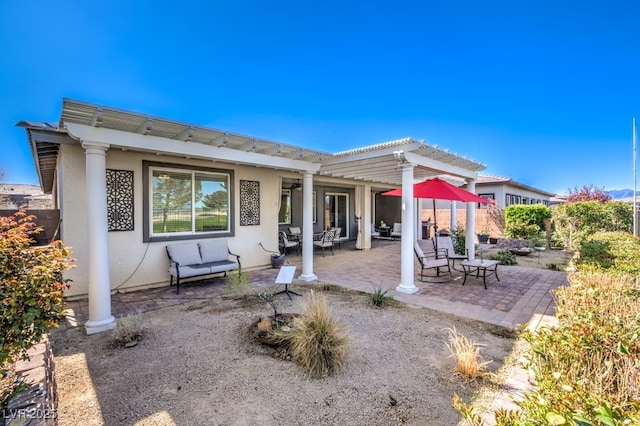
<point x="491" y="197"/>
<point x="184" y="203"/>
<point x="284" y="215"/>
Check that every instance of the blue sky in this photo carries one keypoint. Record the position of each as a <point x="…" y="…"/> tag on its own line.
<point x="540" y="91"/>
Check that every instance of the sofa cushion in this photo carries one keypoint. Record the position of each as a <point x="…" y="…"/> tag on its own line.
<point x="185" y="253"/>
<point x="225" y="265"/>
<point x="213" y="250"/>
<point x="191" y="271"/>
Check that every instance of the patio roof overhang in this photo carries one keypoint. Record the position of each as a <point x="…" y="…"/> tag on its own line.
<point x="375" y="164"/>
<point x="379" y="164"/>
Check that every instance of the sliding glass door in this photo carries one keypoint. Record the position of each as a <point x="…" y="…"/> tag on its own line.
<point x="336" y="212"/>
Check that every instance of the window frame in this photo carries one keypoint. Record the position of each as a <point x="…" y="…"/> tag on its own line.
<point x="147" y="223"/>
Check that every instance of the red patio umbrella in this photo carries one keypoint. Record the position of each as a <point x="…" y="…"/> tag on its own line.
<point x="438" y="189"/>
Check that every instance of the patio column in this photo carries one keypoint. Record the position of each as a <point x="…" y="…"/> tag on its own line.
<point x="454" y="219"/>
<point x="100" y="318"/>
<point x="366" y="219"/>
<point x="471" y="221"/>
<point x="407" y="283"/>
<point x="307" y="228"/>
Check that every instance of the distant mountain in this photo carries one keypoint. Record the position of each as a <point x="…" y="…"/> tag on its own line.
<point x="616" y="194"/>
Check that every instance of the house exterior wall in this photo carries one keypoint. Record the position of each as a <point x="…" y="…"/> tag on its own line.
<point x="501" y="192"/>
<point x="134" y="263"/>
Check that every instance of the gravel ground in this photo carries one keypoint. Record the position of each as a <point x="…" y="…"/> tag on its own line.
<point x="196" y="365"/>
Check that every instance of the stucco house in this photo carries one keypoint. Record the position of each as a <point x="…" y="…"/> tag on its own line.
<point x="506" y="191"/>
<point x="127" y="184"/>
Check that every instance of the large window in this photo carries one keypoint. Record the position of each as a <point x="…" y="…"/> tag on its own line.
<point x="186" y="203"/>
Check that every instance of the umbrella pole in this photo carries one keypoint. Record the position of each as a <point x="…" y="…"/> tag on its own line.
<point x="435" y="226"/>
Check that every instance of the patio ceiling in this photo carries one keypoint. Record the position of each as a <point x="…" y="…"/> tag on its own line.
<point x="375" y="164"/>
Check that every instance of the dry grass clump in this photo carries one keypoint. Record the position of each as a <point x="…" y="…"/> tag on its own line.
<point x="238" y="285"/>
<point x="128" y="331"/>
<point x="318" y="340"/>
<point x="469" y="362"/>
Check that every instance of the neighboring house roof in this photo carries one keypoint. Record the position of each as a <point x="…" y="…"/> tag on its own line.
<point x="23" y="196"/>
<point x="376" y="164"/>
<point x="499" y="180"/>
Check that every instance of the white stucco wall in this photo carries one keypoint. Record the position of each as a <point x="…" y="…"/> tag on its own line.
<point x="501" y="191"/>
<point x="133" y="263"/>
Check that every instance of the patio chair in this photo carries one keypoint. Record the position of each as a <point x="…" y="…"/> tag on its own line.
<point x="445" y="242"/>
<point x="295" y="233"/>
<point x="325" y="241"/>
<point x="336" y="236"/>
<point x="285" y="243"/>
<point x="396" y="231"/>
<point x="374" y="234"/>
<point x="435" y="259"/>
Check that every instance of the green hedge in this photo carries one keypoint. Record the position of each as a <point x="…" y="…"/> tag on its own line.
<point x="525" y="221"/>
<point x="573" y="223"/>
<point x="615" y="252"/>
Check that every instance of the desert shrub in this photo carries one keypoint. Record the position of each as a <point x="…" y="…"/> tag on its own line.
<point x="379" y="297"/>
<point x="469" y="362"/>
<point x="587" y="368"/>
<point x="31" y="286"/>
<point x="318" y="341"/>
<point x="617" y="252"/>
<point x="505" y="257"/>
<point x="238" y="284"/>
<point x="128" y="331"/>
<point x="573" y="223"/>
<point x="525" y="221"/>
<point x="459" y="240"/>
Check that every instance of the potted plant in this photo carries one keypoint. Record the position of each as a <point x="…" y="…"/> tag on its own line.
<point x="483" y="236"/>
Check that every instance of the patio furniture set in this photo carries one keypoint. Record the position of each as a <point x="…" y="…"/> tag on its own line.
<point x="323" y="240"/>
<point x="438" y="254"/>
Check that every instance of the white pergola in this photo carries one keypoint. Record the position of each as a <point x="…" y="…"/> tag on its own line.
<point x="369" y="169"/>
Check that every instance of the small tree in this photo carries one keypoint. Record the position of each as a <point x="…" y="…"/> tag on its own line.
<point x="588" y="193"/>
<point x="31" y="286"/>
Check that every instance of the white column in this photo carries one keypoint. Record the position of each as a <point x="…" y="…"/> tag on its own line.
<point x="471" y="222"/>
<point x="418" y="219"/>
<point x="100" y="318"/>
<point x="454" y="219"/>
<point x="407" y="283"/>
<point x="307" y="228"/>
<point x="367" y="219"/>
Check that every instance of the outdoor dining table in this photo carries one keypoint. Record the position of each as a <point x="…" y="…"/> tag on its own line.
<point x="480" y="266"/>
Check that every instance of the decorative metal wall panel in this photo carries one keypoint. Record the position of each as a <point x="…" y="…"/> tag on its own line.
<point x="120" y="200"/>
<point x="249" y="202"/>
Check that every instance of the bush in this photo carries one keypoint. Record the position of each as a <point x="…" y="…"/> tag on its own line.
<point x="617" y="252"/>
<point x="586" y="369"/>
<point x="318" y="341"/>
<point x="129" y="331"/>
<point x="525" y="221"/>
<point x="459" y="240"/>
<point x="573" y="223"/>
<point x="238" y="284"/>
<point x="505" y="257"/>
<point x="31" y="286"/>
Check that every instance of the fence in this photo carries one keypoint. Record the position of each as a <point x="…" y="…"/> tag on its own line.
<point x="48" y="220"/>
